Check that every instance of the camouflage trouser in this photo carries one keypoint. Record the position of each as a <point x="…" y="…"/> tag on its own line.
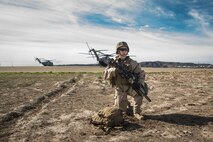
<point x="121" y="101"/>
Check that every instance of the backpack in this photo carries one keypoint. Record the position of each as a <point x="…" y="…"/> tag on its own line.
<point x="108" y="117"/>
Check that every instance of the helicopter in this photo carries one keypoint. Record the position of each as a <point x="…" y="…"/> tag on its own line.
<point x="102" y="58"/>
<point x="44" y="62"/>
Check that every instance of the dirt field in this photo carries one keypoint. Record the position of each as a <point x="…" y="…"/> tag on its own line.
<point x="56" y="105"/>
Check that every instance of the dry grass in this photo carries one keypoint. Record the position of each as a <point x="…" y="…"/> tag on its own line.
<point x="55" y="104"/>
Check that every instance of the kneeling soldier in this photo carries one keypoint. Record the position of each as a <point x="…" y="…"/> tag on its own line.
<point x="122" y="86"/>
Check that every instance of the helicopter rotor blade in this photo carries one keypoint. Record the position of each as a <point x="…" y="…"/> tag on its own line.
<point x="52" y="60"/>
<point x="84" y="53"/>
<point x="88" y="46"/>
<point x="92" y="54"/>
<point x="100" y="50"/>
<point x="36" y="58"/>
<point x="90" y="50"/>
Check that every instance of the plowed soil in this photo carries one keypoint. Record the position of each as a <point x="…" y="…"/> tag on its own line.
<point x="57" y="106"/>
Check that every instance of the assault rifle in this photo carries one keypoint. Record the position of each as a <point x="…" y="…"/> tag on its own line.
<point x="141" y="89"/>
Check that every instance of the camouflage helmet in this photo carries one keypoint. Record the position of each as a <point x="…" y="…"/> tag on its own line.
<point x="121" y="44"/>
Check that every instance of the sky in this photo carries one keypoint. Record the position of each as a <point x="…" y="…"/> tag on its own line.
<point x="155" y="30"/>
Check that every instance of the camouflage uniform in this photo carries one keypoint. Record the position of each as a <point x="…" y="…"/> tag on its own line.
<point x="122" y="86"/>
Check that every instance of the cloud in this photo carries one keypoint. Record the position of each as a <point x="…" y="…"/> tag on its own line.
<point x="54" y="30"/>
<point x="160" y="11"/>
<point x="202" y="22"/>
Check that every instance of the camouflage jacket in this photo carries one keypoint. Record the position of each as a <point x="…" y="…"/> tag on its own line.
<point x="121" y="84"/>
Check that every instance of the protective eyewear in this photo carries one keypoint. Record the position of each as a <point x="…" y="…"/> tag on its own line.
<point x="123" y="49"/>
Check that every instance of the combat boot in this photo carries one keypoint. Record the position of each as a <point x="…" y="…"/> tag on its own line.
<point x="139" y="117"/>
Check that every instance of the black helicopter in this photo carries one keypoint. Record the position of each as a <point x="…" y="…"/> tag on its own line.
<point x="102" y="58"/>
<point x="44" y="62"/>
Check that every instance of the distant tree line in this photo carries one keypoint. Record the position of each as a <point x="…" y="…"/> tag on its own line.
<point x="162" y="64"/>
